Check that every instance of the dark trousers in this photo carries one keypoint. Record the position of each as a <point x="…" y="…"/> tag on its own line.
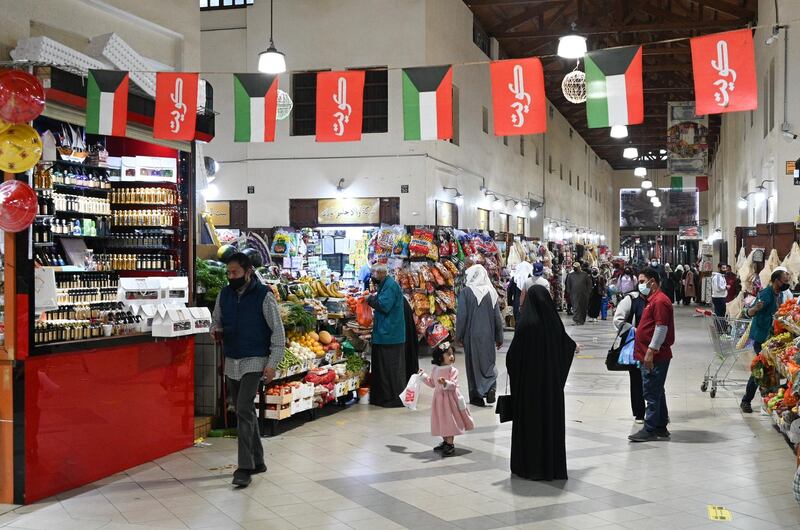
<point x="243" y="392"/>
<point x="752" y="386"/>
<point x="637" y="393"/>
<point x="719" y="306"/>
<point x="656" y="413"/>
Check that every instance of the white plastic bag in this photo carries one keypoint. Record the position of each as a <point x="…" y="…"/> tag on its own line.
<point x="410" y="395"/>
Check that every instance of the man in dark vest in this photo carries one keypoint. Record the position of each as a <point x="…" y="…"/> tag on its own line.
<point x="248" y="323"/>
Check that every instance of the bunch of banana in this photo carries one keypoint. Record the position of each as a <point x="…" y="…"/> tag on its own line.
<point x="325" y="291"/>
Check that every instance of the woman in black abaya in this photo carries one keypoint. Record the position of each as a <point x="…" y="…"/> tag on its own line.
<point x="538" y="363"/>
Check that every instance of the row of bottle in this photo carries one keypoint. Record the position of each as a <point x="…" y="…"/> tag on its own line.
<point x="41" y="232"/>
<point x="45" y="177"/>
<point x="144" y="196"/>
<point x="143" y="218"/>
<point x="78" y="280"/>
<point x="100" y="227"/>
<point x="83" y="312"/>
<point x="140" y="241"/>
<point x="59" y="202"/>
<point x="49" y="257"/>
<point x="86" y="295"/>
<point x="131" y="262"/>
<point x="65" y="330"/>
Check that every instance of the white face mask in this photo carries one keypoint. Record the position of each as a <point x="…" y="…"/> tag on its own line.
<point x="644" y="289"/>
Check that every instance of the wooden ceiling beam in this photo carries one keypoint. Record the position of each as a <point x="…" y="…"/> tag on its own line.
<point x="661" y="14"/>
<point x="667" y="67"/>
<point x="529" y="14"/>
<point x="727" y="8"/>
<point x="682" y="27"/>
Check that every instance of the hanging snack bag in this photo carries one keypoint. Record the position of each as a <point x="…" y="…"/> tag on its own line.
<point x="421" y="243"/>
<point x="436" y="333"/>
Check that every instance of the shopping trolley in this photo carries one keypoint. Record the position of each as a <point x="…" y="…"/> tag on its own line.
<point x="729" y="342"/>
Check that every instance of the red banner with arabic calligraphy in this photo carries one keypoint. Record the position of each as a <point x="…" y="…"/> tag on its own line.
<point x="176" y="106"/>
<point x="518" y="98"/>
<point x="724" y="68"/>
<point x="340" y="106"/>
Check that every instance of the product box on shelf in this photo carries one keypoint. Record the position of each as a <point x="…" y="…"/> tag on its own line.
<point x="148" y="313"/>
<point x="175" y="289"/>
<point x="201" y="319"/>
<point x="135" y="291"/>
<point x="301" y="405"/>
<point x="149" y="169"/>
<point x="280" y="413"/>
<point x="173" y="323"/>
<point x="284" y="397"/>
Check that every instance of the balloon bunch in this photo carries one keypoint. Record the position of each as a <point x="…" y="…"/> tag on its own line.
<point x="21" y="100"/>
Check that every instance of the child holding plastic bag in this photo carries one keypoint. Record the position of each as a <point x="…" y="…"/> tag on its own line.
<point x="449" y="413"/>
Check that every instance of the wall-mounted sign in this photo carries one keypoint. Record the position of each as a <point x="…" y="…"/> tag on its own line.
<point x="349" y="211"/>
<point x="503" y="220"/>
<point x="220" y="212"/>
<point x="690" y="233"/>
<point x="483" y="219"/>
<point x="446" y="214"/>
<point x="521" y="226"/>
<point x="790" y="165"/>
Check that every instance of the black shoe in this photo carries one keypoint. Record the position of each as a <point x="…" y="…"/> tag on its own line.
<point x="490" y="396"/>
<point x="260" y="468"/>
<point x="448" y="450"/>
<point x="643" y="436"/>
<point x="477" y="402"/>
<point x="439" y="448"/>
<point x="662" y="433"/>
<point x="241" y="477"/>
<point x="746" y="407"/>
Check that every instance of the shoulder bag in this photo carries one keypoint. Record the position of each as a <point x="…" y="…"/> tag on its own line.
<point x="623" y="338"/>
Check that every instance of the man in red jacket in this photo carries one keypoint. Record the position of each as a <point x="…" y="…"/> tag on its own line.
<point x="655" y="335"/>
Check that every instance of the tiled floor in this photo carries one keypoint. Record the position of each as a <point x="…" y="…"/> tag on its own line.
<point x="367" y="468"/>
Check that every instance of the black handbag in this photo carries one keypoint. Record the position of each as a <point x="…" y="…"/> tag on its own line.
<point x="505" y="407"/>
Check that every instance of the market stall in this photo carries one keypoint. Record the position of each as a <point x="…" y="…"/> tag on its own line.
<point x="97" y="289"/>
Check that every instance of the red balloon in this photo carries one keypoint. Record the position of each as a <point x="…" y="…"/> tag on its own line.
<point x="18" y="206"/>
<point x="21" y="96"/>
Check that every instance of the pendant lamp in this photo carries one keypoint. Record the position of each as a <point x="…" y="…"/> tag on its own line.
<point x="271" y="61"/>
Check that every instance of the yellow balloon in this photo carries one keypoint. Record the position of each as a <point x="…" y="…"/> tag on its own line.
<point x="20" y="148"/>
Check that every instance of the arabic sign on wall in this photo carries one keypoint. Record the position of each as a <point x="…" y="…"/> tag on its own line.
<point x="220" y="212"/>
<point x="679" y="208"/>
<point x="687" y="139"/>
<point x="349" y="211"/>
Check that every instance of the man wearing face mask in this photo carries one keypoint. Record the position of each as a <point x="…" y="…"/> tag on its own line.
<point x="248" y="323"/>
<point x="655" y="335"/>
<point x="762" y="313"/>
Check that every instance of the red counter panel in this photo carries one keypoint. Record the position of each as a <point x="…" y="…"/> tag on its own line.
<point x="93" y="413"/>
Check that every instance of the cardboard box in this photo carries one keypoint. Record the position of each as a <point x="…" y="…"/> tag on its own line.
<point x="175" y="290"/>
<point x="201" y="319"/>
<point x="134" y="291"/>
<point x="281" y="413"/>
<point x="284" y="398"/>
<point x="175" y="323"/>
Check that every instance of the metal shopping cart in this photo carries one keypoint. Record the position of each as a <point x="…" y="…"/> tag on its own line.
<point x="729" y="342"/>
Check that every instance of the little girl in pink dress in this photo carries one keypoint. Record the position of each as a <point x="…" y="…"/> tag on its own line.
<point x="449" y="413"/>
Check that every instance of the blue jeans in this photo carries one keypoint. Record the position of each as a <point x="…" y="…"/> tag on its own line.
<point x="656" y="413"/>
<point x="750" y="391"/>
<point x="604" y="307"/>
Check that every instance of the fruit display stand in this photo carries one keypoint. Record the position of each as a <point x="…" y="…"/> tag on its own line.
<point x="777" y="371"/>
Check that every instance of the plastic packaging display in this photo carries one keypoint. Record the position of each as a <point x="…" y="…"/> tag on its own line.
<point x="21" y="96"/>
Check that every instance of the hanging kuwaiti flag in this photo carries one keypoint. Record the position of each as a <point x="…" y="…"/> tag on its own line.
<point x="340" y="106"/>
<point x="428" y="103"/>
<point x="614" y="94"/>
<point x="176" y="106"/>
<point x="107" y="102"/>
<point x="518" y="99"/>
<point x="255" y="107"/>
<point x="724" y="67"/>
<point x="689" y="183"/>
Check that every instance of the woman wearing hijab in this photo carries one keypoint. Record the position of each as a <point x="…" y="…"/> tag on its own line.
<point x="515" y="286"/>
<point x="538" y="363"/>
<point x="689" y="280"/>
<point x="479" y="327"/>
<point x="677" y="280"/>
<point x="667" y="283"/>
<point x="596" y="297"/>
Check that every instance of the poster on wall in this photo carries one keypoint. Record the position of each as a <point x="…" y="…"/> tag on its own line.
<point x="679" y="208"/>
<point x="446" y="214"/>
<point x="521" y="226"/>
<point x="687" y="139"/>
<point x="349" y="211"/>
<point x="483" y="219"/>
<point x="219" y="212"/>
<point x="690" y="233"/>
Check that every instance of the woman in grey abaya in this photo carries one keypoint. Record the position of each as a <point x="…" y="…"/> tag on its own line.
<point x="479" y="327"/>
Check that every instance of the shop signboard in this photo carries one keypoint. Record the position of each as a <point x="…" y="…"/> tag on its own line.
<point x="349" y="211"/>
<point x="219" y="212"/>
<point x="690" y="233"/>
<point x="687" y="139"/>
<point x="679" y="208"/>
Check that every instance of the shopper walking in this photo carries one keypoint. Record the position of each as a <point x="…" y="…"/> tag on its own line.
<point x="388" y="340"/>
<point x="479" y="327"/>
<point x="626" y="283"/>
<point x="449" y="415"/>
<point x="516" y="286"/>
<point x="655" y="335"/>
<point x="689" y="279"/>
<point x="247" y="321"/>
<point x="579" y="286"/>
<point x="719" y="290"/>
<point x="596" y="296"/>
<point x="628" y="315"/>
<point x="537" y="278"/>
<point x="667" y="284"/>
<point x="677" y="279"/>
<point x="538" y="363"/>
<point x="762" y="313"/>
<point x="567" y="286"/>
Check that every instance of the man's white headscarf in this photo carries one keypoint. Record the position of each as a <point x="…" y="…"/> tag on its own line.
<point x="521" y="273"/>
<point x="478" y="280"/>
